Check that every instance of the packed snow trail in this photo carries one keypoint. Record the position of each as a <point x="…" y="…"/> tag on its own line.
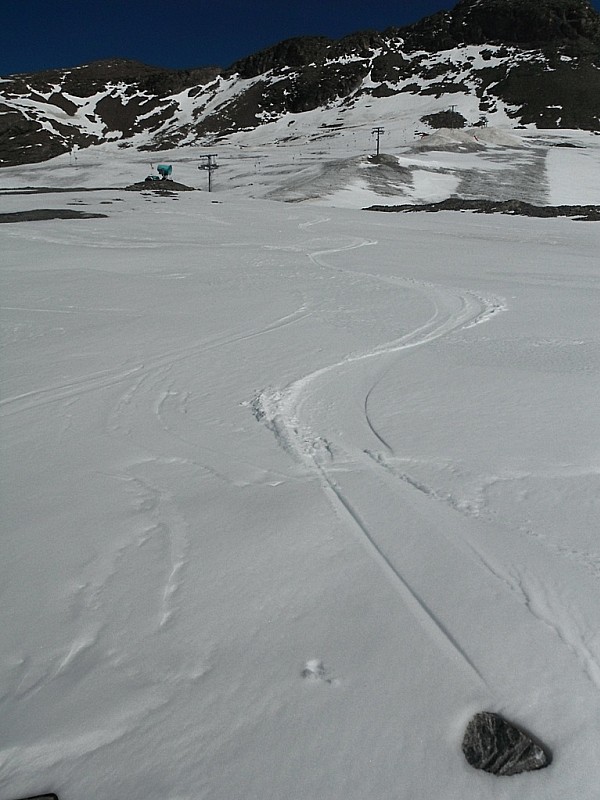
<point x="294" y="415"/>
<point x="281" y="411"/>
<point x="424" y="615"/>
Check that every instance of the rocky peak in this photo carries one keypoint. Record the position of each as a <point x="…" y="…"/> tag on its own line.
<point x="86" y="78"/>
<point x="297" y="52"/>
<point x="524" y="22"/>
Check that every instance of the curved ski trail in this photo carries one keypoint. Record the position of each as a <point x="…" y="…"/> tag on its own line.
<point x="279" y="410"/>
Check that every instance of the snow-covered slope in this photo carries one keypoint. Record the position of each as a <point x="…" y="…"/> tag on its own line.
<point x="338" y="166"/>
<point x="292" y="490"/>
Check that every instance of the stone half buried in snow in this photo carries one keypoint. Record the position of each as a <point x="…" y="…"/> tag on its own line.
<point x="497" y="746"/>
<point x="50" y="796"/>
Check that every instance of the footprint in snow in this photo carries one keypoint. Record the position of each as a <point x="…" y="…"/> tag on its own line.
<point x="315" y="671"/>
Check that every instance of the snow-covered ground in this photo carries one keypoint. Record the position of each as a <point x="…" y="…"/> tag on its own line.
<point x="291" y="490"/>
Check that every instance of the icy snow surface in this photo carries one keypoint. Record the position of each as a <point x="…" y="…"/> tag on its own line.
<point x="290" y="491"/>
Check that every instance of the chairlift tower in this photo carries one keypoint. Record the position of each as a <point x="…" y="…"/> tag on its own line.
<point x="209" y="166"/>
<point x="453" y="112"/>
<point x="378" y="132"/>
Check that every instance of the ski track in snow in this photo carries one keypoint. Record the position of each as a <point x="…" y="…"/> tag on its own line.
<point x="474" y="507"/>
<point x="280" y="410"/>
<point x="166" y="524"/>
<point x="424" y="615"/>
<point x="145" y="401"/>
<point x="553" y="611"/>
<point x="148" y="391"/>
<point x="106" y="378"/>
<point x="466" y="547"/>
<point x="540" y="600"/>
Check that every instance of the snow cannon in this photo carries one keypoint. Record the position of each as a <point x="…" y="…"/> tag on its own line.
<point x="164" y="173"/>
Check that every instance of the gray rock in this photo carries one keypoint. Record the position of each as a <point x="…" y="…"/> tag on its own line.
<point x="497" y="746"/>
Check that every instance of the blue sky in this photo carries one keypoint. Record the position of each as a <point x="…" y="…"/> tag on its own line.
<point x="40" y="34"/>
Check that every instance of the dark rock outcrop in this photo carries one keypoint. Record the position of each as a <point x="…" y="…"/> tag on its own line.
<point x="523" y="22"/>
<point x="161" y="187"/>
<point x="42" y="797"/>
<point x="499" y="747"/>
<point x="445" y="119"/>
<point x="589" y="213"/>
<point x="291" y="53"/>
<point x="39" y="214"/>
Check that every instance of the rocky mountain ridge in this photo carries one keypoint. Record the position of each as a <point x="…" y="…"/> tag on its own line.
<point x="521" y="62"/>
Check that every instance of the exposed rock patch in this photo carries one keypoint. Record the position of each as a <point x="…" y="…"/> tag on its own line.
<point x="589" y="213"/>
<point x="37" y="214"/>
<point x="159" y="186"/>
<point x="495" y="745"/>
<point x="445" y="119"/>
<point x="42" y="797"/>
<point x="526" y="22"/>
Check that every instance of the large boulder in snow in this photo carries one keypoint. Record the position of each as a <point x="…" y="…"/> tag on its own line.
<point x="497" y="746"/>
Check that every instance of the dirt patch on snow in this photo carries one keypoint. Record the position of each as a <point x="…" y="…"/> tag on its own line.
<point x="37" y="214"/>
<point x="159" y="186"/>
